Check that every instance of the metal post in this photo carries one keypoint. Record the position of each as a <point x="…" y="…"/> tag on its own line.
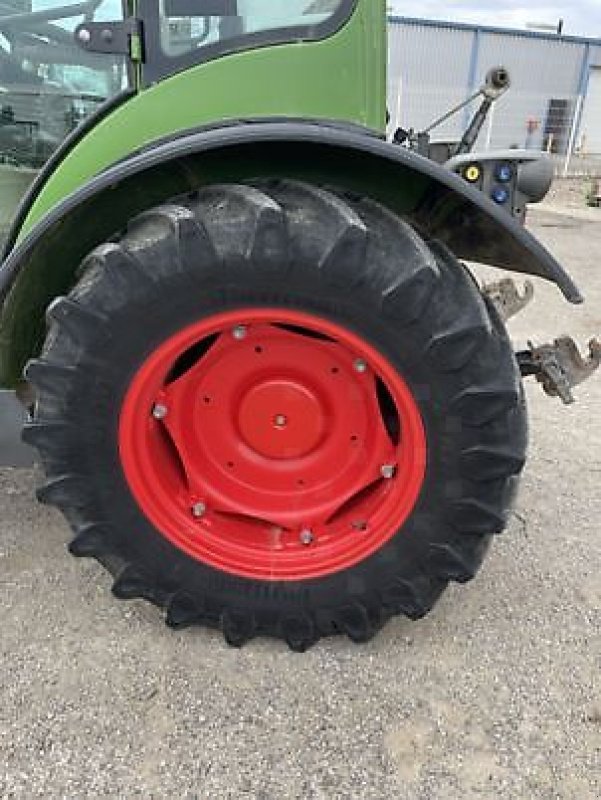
<point x="395" y="115"/>
<point x="472" y="78"/>
<point x="491" y="122"/>
<point x="399" y="95"/>
<point x="573" y="134"/>
<point x="585" y="75"/>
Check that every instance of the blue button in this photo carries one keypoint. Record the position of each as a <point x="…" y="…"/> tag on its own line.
<point x="500" y="195"/>
<point x="504" y="173"/>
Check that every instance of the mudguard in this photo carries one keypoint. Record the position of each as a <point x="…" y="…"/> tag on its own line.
<point x="438" y="203"/>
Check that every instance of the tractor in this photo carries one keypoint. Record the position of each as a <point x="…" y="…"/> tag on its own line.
<point x="267" y="394"/>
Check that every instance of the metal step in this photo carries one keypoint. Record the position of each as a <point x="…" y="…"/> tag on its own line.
<point x="13" y="453"/>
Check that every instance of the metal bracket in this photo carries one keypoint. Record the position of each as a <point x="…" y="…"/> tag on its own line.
<point x="123" y="38"/>
<point x="559" y="367"/>
<point x="506" y="298"/>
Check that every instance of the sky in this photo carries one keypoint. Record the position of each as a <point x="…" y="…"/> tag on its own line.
<point x="581" y="17"/>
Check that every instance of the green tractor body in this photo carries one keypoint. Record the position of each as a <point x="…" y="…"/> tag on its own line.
<point x="185" y="177"/>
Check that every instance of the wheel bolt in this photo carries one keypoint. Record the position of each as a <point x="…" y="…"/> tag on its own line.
<point x="159" y="411"/>
<point x="199" y="510"/>
<point x="239" y="332"/>
<point x="360" y="365"/>
<point x="306" y="536"/>
<point x="359" y="525"/>
<point x="280" y="421"/>
<point x="388" y="471"/>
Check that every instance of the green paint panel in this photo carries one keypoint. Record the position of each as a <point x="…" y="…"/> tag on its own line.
<point x="341" y="78"/>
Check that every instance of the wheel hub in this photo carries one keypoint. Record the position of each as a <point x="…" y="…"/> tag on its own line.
<point x="301" y="461"/>
<point x="281" y="419"/>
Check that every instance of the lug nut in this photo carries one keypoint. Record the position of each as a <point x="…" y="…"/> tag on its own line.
<point x="359" y="525"/>
<point x="280" y="421"/>
<point x="388" y="471"/>
<point x="306" y="536"/>
<point x="199" y="510"/>
<point x="159" y="411"/>
<point x="360" y="365"/>
<point x="239" y="332"/>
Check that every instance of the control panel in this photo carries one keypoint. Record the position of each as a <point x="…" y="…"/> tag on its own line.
<point x="511" y="179"/>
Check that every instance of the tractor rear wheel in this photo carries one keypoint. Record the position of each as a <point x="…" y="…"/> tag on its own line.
<point x="276" y="410"/>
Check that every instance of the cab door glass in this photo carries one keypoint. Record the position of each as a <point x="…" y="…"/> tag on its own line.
<point x="187" y="25"/>
<point x="48" y="86"/>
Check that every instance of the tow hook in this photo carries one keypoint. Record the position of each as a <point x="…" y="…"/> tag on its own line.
<point x="559" y="367"/>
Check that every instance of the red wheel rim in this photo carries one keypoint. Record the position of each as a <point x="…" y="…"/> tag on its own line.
<point x="272" y="444"/>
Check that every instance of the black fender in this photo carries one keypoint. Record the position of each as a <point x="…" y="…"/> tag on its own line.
<point x="438" y="203"/>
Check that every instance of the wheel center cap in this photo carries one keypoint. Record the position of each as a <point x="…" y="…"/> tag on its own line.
<point x="281" y="419"/>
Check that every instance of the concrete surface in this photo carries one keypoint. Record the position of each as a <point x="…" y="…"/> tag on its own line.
<point x="495" y="695"/>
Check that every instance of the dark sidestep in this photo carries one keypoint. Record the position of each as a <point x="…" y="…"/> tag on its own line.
<point x="13" y="453"/>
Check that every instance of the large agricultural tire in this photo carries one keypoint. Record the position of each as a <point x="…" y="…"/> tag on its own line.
<point x="276" y="410"/>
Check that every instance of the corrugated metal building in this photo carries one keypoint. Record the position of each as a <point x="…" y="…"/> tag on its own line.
<point x="554" y="102"/>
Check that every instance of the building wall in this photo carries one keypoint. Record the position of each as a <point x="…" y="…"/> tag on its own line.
<point x="435" y="65"/>
<point x="428" y="74"/>
<point x="590" y="129"/>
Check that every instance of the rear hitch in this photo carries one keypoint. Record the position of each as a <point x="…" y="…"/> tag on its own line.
<point x="558" y="367"/>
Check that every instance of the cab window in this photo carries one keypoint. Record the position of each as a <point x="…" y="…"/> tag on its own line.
<point x="187" y="25"/>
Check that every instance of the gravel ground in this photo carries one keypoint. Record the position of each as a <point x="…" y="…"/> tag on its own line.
<point x="495" y="695"/>
<point x="569" y="193"/>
